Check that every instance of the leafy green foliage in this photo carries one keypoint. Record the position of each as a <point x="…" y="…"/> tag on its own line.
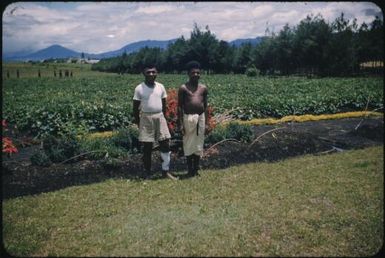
<point x="39" y="158"/>
<point x="243" y="133"/>
<point x="60" y="149"/>
<point x="101" y="148"/>
<point x="80" y="105"/>
<point x="119" y="145"/>
<point x="252" y="71"/>
<point x="127" y="139"/>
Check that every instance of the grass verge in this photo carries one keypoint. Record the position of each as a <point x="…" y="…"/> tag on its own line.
<point x="328" y="205"/>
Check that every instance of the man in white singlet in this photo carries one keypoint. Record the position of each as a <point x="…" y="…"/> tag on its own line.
<point x="149" y="107"/>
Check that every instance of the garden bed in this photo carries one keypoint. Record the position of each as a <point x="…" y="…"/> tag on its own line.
<point x="272" y="143"/>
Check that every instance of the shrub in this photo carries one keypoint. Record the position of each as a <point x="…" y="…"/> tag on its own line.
<point x="100" y="148"/>
<point x="40" y="159"/>
<point x="243" y="133"/>
<point x="60" y="149"/>
<point x="252" y="71"/>
<point x="218" y="134"/>
<point x="127" y="139"/>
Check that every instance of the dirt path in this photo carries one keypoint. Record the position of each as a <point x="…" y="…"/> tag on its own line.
<point x="282" y="141"/>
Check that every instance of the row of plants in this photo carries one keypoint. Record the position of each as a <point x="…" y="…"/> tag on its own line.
<point x="47" y="106"/>
<point x="118" y="144"/>
<point x="70" y="148"/>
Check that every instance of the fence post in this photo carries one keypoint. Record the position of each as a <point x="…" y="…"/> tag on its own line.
<point x="38" y="73"/>
<point x="17" y="73"/>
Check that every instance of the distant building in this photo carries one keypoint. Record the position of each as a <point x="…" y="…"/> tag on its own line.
<point x="86" y="61"/>
<point x="82" y="61"/>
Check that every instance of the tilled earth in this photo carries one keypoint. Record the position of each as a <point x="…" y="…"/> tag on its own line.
<point x="272" y="143"/>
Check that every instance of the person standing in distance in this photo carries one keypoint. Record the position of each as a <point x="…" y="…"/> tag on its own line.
<point x="193" y="117"/>
<point x="149" y="107"/>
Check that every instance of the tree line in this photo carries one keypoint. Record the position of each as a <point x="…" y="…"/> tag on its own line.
<point x="313" y="47"/>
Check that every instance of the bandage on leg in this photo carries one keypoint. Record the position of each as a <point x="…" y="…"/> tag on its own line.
<point x="166" y="157"/>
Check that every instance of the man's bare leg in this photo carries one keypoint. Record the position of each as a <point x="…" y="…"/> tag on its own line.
<point x="147" y="150"/>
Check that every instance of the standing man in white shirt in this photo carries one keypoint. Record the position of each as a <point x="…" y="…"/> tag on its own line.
<point x="149" y="108"/>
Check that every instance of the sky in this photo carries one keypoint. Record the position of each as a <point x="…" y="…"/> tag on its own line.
<point x="97" y="27"/>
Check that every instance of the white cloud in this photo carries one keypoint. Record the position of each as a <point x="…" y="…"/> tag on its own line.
<point x="97" y="27"/>
<point x="155" y="9"/>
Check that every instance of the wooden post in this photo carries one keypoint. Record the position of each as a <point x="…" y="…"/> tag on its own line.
<point x="60" y="74"/>
<point x="38" y="73"/>
<point x="7" y="74"/>
<point x="17" y="73"/>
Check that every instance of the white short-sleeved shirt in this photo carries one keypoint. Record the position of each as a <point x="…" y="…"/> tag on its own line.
<point x="150" y="98"/>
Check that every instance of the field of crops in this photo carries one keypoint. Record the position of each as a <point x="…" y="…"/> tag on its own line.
<point x="92" y="101"/>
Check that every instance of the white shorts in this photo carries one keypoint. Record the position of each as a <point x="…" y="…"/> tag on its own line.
<point x="153" y="127"/>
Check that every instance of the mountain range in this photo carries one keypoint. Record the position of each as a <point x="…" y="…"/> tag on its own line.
<point x="58" y="51"/>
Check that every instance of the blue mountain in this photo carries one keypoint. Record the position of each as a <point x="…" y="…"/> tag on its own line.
<point x="54" y="51"/>
<point x="133" y="47"/>
<point x="239" y="42"/>
<point x="57" y="51"/>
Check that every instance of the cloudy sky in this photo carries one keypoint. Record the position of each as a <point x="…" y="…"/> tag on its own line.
<point x="96" y="27"/>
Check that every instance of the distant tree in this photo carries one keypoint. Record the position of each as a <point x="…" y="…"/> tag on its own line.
<point x="310" y="39"/>
<point x="203" y="47"/>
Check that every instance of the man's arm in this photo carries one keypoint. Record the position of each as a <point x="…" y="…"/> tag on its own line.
<point x="205" y="105"/>
<point x="180" y="109"/>
<point x="135" y="109"/>
<point x="164" y="106"/>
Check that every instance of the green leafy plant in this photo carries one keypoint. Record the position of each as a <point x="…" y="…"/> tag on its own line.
<point x="39" y="158"/>
<point x="60" y="149"/>
<point x="243" y="133"/>
<point x="100" y="148"/>
<point x="127" y="138"/>
<point x="252" y="71"/>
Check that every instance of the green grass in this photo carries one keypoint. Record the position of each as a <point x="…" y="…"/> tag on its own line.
<point x="328" y="205"/>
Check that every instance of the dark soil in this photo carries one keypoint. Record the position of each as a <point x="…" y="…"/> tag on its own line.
<point x="20" y="178"/>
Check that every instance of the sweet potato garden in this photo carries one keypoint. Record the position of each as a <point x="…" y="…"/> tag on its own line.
<point x="72" y="139"/>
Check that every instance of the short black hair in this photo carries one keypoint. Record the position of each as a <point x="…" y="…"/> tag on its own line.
<point x="148" y="66"/>
<point x="193" y="65"/>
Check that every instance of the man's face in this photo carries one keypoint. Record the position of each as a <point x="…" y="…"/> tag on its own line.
<point x="194" y="74"/>
<point x="150" y="74"/>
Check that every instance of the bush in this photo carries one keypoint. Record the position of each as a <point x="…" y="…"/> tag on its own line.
<point x="60" y="149"/>
<point x="127" y="139"/>
<point x="40" y="159"/>
<point x="218" y="134"/>
<point x="243" y="133"/>
<point x="101" y="148"/>
<point x="252" y="71"/>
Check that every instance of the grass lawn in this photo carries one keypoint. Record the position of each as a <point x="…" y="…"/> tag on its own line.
<point x="329" y="205"/>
